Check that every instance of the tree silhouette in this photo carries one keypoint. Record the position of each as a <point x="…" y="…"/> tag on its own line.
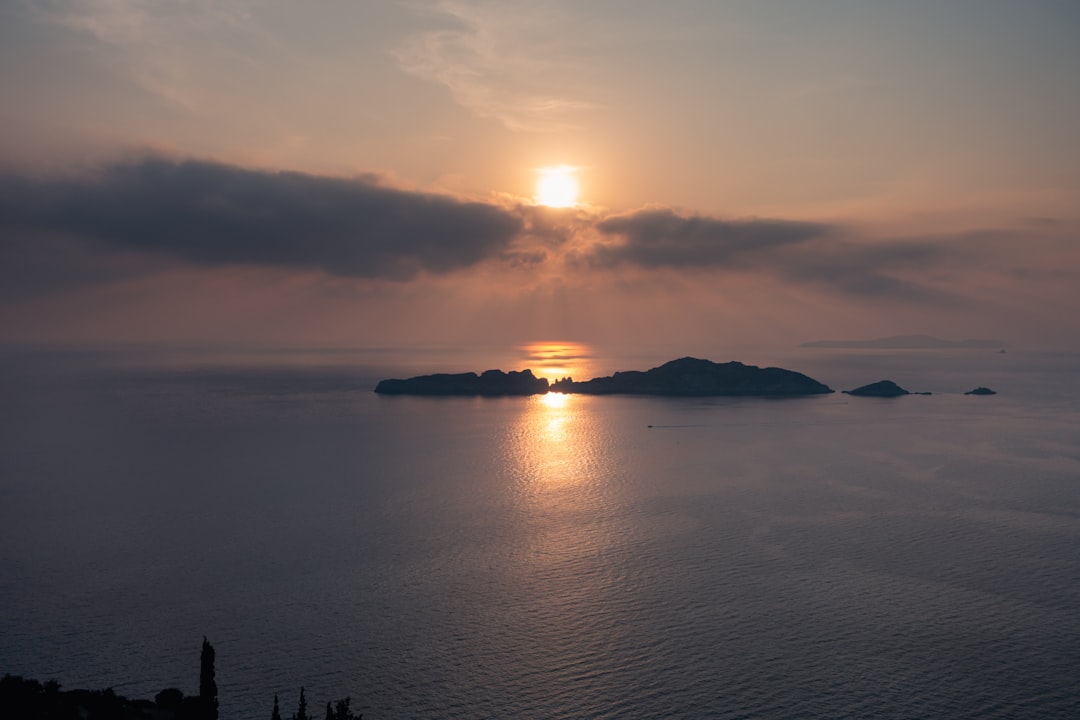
<point x="301" y="711"/>
<point x="24" y="699"/>
<point x="207" y="685"/>
<point x="170" y="699"/>
<point x="342" y="712"/>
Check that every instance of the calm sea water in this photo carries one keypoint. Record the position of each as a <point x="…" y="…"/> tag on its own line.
<point x="559" y="557"/>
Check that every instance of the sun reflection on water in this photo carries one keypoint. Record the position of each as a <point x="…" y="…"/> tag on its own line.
<point x="557" y="451"/>
<point x="557" y="415"/>
<point x="554" y="449"/>
<point x="555" y="400"/>
<point x="569" y="524"/>
<point x="570" y="516"/>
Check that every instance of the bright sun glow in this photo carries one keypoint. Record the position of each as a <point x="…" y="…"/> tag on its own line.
<point x="557" y="186"/>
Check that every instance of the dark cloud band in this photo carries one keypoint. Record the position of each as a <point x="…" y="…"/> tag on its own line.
<point x="661" y="238"/>
<point x="216" y="214"/>
<point x="134" y="218"/>
<point x="799" y="252"/>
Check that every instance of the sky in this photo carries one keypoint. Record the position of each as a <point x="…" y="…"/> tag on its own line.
<point x="331" y="173"/>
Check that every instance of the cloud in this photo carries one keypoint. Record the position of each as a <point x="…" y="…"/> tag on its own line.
<point x="869" y="272"/>
<point x="661" y="238"/>
<point x="799" y="252"/>
<point x="163" y="48"/>
<point x="498" y="62"/>
<point x="138" y="218"/>
<point x="214" y="214"/>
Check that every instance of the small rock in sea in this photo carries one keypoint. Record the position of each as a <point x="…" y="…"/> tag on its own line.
<point x="981" y="391"/>
<point x="884" y="388"/>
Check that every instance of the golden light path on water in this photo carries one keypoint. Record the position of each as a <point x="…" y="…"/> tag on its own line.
<point x="555" y="444"/>
<point x="556" y="447"/>
<point x="573" y="538"/>
<point x="559" y="458"/>
<point x="555" y="401"/>
<point x="552" y="448"/>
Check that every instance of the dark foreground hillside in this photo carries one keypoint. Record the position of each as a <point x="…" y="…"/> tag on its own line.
<point x="26" y="699"/>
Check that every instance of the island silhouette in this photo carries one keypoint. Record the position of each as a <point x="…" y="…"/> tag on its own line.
<point x="683" y="377"/>
<point x="882" y="388"/>
<point x="490" y="383"/>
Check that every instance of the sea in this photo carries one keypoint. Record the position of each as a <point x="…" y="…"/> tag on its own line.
<point x="546" y="557"/>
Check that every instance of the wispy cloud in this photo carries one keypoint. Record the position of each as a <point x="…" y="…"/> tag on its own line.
<point x="499" y="60"/>
<point x="160" y="46"/>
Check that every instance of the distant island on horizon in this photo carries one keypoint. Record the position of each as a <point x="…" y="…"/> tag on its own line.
<point x="685" y="377"/>
<point x="492" y="383"/>
<point x="692" y="377"/>
<point x="907" y="342"/>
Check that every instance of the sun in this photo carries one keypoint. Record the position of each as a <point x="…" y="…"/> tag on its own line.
<point x="557" y="186"/>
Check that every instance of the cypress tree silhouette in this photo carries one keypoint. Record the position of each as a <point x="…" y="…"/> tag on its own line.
<point x="276" y="715"/>
<point x="207" y="685"/>
<point x="301" y="711"/>
<point x="329" y="712"/>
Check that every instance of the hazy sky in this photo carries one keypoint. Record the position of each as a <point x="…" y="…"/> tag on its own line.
<point x="350" y="173"/>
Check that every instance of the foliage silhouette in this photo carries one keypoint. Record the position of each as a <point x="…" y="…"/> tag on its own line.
<point x="26" y="699"/>
<point x="207" y="684"/>
<point x="169" y="699"/>
<point x="342" y="712"/>
<point x="301" y="711"/>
